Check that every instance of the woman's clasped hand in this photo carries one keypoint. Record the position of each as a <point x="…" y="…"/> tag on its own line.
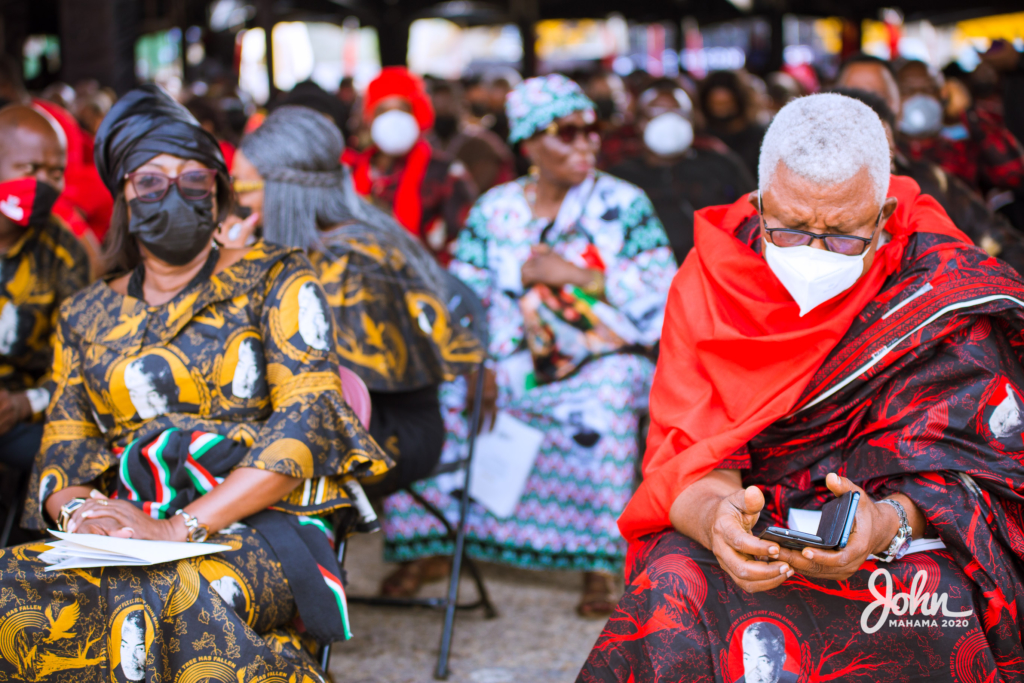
<point x="105" y="517"/>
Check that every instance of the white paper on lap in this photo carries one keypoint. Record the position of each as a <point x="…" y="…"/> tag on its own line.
<point x="78" y="551"/>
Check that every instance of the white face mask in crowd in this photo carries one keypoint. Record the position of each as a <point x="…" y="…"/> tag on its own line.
<point x="395" y="132"/>
<point x="668" y="134"/>
<point x="922" y="115"/>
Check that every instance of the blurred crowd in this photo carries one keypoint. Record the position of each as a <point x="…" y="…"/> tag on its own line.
<point x="442" y="158"/>
<point x="687" y="142"/>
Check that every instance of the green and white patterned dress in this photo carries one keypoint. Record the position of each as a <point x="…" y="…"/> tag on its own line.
<point x="583" y="476"/>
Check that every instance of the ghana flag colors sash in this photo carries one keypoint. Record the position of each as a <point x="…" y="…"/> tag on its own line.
<point x="173" y="469"/>
<point x="735" y="354"/>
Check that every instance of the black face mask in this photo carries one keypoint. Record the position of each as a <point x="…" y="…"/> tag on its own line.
<point x="605" y="108"/>
<point x="446" y="125"/>
<point x="174" y="229"/>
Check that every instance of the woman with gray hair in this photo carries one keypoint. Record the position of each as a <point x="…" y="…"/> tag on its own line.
<point x="386" y="291"/>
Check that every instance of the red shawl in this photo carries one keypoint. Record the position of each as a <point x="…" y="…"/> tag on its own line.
<point x="735" y="354"/>
<point x="408" y="209"/>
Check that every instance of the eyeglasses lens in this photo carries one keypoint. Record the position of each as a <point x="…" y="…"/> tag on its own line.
<point x="151" y="187"/>
<point x="568" y="132"/>
<point x="790" y="239"/>
<point x="195" y="184"/>
<point x="846" y="246"/>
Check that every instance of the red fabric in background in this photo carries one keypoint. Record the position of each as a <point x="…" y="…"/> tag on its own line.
<point x="408" y="207"/>
<point x="735" y="354"/>
<point x="85" y="200"/>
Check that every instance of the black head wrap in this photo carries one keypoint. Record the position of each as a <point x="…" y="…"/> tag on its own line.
<point x="145" y="123"/>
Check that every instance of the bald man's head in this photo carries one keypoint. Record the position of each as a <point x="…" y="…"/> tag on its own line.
<point x="30" y="147"/>
<point x="873" y="76"/>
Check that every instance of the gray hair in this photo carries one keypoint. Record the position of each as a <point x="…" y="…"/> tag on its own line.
<point x="826" y="139"/>
<point x="298" y="152"/>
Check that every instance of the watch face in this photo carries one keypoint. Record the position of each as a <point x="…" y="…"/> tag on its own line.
<point x="200" y="534"/>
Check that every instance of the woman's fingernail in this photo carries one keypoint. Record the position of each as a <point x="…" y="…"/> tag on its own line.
<point x="808" y="554"/>
<point x="789" y="574"/>
<point x="131" y="531"/>
<point x="773" y="550"/>
<point x="86" y="514"/>
<point x="96" y="494"/>
<point x="783" y="569"/>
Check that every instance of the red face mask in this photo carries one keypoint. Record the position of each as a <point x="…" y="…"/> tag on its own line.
<point x="26" y="201"/>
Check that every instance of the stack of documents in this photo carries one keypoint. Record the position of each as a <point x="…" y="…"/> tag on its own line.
<point x="78" y="551"/>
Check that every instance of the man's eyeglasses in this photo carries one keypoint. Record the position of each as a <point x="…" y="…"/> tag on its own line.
<point x="567" y="132"/>
<point x="193" y="185"/>
<point x="847" y="245"/>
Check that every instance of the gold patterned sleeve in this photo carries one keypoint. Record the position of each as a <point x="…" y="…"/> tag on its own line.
<point x="73" y="450"/>
<point x="311" y="433"/>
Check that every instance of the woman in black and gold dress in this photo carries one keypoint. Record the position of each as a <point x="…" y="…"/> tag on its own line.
<point x="387" y="292"/>
<point x="195" y="392"/>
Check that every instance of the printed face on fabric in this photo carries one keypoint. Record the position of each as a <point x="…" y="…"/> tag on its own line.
<point x="313" y="326"/>
<point x="132" y="632"/>
<point x="392" y="347"/>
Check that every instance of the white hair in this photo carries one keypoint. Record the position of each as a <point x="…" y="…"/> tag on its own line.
<point x="826" y="139"/>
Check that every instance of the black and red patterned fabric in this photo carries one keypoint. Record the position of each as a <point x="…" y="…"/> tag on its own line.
<point x="924" y="396"/>
<point x="979" y="150"/>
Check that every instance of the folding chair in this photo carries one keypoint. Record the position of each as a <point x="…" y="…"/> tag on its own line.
<point x="12" y="484"/>
<point x="466" y="309"/>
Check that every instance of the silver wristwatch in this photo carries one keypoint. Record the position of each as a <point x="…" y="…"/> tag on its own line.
<point x="901" y="541"/>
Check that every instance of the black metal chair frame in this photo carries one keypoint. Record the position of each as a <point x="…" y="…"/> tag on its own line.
<point x="460" y="296"/>
<point x="11" y="488"/>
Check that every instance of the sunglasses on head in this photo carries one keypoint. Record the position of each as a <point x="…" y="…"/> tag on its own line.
<point x="193" y="185"/>
<point x="567" y="132"/>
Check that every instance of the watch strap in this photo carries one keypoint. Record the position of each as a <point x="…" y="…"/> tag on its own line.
<point x="66" y="512"/>
<point x="195" y="532"/>
<point x="901" y="541"/>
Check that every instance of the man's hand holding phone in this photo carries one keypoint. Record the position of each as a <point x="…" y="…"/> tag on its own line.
<point x="737" y="549"/>
<point x="871" y="533"/>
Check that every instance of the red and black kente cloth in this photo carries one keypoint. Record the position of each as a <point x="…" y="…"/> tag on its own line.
<point x="979" y="150"/>
<point x="923" y="395"/>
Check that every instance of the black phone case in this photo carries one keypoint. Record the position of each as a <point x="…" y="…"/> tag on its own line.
<point x="833" y="528"/>
<point x="836" y="519"/>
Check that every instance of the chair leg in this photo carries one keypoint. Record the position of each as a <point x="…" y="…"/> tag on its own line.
<point x="9" y="516"/>
<point x="441" y="673"/>
<point x="12" y="510"/>
<point x="325" y="658"/>
<point x="490" y="611"/>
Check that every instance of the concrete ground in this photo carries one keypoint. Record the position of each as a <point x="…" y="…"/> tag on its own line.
<point x="537" y="636"/>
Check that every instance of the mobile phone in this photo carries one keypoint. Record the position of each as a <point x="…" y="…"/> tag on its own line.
<point x="833" y="529"/>
<point x="242" y="212"/>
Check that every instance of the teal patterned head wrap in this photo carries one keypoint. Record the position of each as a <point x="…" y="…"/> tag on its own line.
<point x="536" y="102"/>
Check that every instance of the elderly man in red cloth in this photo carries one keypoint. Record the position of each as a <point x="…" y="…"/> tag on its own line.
<point x="426" y="191"/>
<point x="832" y="333"/>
